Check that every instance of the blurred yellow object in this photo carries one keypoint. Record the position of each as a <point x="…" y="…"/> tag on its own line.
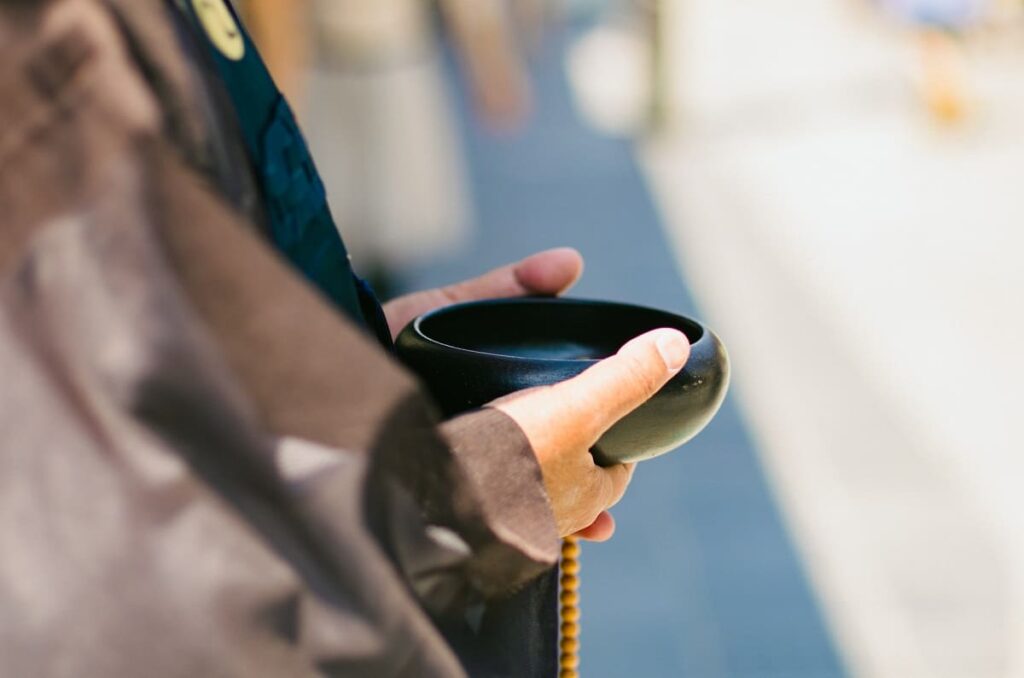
<point x="943" y="84"/>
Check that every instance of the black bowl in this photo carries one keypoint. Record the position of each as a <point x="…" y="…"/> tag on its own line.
<point x="469" y="354"/>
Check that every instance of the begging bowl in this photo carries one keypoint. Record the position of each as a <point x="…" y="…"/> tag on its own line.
<point x="469" y="354"/>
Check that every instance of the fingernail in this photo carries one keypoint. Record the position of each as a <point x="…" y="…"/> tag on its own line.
<point x="674" y="349"/>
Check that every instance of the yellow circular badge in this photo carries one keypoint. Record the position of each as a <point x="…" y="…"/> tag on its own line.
<point x="221" y="27"/>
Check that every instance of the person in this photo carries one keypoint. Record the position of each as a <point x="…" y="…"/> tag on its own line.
<point x="210" y="464"/>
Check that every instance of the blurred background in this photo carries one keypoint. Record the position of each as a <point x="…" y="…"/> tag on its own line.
<point x="836" y="187"/>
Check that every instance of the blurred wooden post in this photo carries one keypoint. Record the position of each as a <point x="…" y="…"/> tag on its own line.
<point x="280" y="28"/>
<point x="491" y="58"/>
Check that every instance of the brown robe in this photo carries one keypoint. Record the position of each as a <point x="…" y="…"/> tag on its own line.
<point x="204" y="469"/>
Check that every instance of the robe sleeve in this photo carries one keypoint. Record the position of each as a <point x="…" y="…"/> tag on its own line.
<point x="312" y="375"/>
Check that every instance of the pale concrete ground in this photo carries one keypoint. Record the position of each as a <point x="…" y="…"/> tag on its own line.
<point x="863" y="266"/>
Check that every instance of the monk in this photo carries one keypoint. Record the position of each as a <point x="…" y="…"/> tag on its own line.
<point x="210" y="463"/>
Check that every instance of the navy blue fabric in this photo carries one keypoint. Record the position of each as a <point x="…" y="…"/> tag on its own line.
<point x="300" y="221"/>
<point x="702" y="579"/>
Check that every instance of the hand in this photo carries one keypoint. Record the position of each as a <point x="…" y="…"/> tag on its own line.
<point x="563" y="421"/>
<point x="550" y="272"/>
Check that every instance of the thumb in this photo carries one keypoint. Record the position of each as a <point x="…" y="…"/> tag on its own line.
<point x="616" y="386"/>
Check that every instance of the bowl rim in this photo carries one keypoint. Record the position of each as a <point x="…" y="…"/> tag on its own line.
<point x="415" y="325"/>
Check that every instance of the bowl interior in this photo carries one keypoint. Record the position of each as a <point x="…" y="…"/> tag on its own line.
<point x="547" y="329"/>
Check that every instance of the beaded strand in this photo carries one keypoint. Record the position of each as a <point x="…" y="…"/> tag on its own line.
<point x="569" y="644"/>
